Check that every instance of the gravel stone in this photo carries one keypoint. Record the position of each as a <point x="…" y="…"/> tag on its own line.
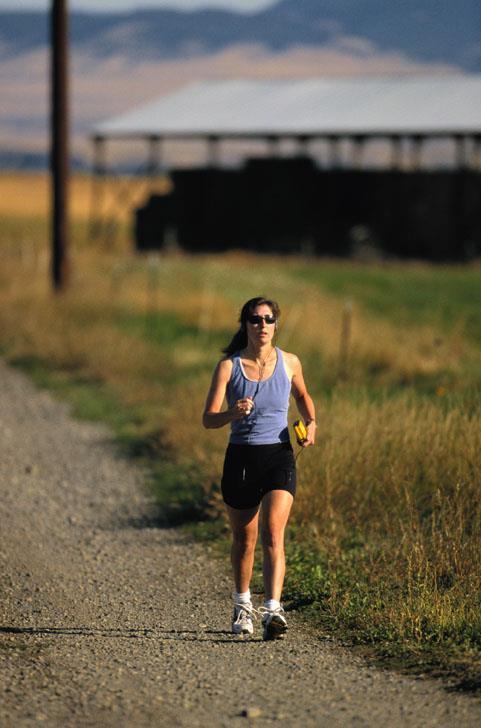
<point x="106" y="620"/>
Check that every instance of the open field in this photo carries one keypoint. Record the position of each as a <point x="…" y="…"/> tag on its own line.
<point x="386" y="530"/>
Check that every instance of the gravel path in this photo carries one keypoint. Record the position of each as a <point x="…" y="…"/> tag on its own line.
<point x="106" y="619"/>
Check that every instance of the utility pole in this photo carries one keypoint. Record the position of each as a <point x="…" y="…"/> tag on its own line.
<point x="59" y="161"/>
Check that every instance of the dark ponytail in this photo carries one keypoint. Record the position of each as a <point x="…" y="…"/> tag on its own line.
<point x="239" y="340"/>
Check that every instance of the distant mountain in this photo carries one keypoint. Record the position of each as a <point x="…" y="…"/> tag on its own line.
<point x="21" y="160"/>
<point x="429" y="30"/>
<point x="425" y="30"/>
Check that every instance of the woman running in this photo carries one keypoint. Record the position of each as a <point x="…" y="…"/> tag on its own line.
<point x="257" y="378"/>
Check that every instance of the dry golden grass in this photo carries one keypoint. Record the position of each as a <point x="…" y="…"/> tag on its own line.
<point x="28" y="194"/>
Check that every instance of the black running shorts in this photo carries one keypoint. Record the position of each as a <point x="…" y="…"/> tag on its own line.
<point x="251" y="471"/>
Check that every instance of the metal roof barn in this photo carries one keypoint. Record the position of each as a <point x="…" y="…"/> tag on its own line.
<point x="404" y="111"/>
<point x="330" y="109"/>
<point x="318" y="107"/>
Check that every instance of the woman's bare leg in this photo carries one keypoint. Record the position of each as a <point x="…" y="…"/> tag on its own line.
<point x="276" y="506"/>
<point x="244" y="524"/>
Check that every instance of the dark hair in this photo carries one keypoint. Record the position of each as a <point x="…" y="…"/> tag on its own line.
<point x="239" y="340"/>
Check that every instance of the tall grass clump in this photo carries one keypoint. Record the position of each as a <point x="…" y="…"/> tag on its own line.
<point x="392" y="505"/>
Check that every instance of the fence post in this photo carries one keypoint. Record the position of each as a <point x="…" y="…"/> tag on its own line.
<point x="345" y="341"/>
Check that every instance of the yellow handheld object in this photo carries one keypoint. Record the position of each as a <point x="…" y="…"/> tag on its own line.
<point x="301" y="432"/>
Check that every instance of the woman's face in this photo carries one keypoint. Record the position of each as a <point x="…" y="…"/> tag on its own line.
<point x="261" y="332"/>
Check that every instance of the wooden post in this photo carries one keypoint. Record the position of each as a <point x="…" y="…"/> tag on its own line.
<point x="97" y="188"/>
<point x="345" y="340"/>
<point x="152" y="287"/>
<point x="59" y="161"/>
<point x="206" y="309"/>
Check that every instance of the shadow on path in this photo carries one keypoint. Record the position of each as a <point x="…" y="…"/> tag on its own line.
<point x="207" y="635"/>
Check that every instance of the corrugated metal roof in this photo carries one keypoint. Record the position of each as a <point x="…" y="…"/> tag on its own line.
<point x="435" y="105"/>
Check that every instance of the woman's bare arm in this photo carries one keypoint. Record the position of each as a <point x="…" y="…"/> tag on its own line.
<point x="212" y="417"/>
<point x="304" y="401"/>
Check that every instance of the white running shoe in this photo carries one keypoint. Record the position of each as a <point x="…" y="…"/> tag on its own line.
<point x="273" y="622"/>
<point x="242" y="619"/>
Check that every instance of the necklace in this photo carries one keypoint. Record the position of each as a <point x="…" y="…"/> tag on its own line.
<point x="262" y="364"/>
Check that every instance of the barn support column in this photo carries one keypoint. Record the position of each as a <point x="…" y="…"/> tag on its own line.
<point x="97" y="188"/>
<point x="273" y="146"/>
<point x="303" y="143"/>
<point x="358" y="143"/>
<point x="213" y="154"/>
<point x="476" y="155"/>
<point x="416" y="151"/>
<point x="154" y="156"/>
<point x="396" y="153"/>
<point x="460" y="147"/>
<point x="334" y="152"/>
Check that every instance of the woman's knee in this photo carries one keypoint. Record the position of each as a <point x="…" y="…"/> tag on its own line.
<point x="245" y="540"/>
<point x="272" y="539"/>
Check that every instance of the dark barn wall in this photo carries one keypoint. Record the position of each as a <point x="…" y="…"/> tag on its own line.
<point x="288" y="205"/>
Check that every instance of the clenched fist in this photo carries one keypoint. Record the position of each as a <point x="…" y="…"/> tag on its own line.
<point x="242" y="408"/>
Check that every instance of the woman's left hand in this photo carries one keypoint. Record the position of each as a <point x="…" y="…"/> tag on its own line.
<point x="311" y="435"/>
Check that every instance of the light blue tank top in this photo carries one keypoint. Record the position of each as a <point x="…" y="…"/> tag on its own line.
<point x="267" y="423"/>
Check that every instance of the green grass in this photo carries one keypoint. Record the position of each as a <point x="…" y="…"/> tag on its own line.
<point x="444" y="296"/>
<point x="167" y="329"/>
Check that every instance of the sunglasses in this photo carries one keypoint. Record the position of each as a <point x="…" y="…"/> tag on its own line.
<point x="257" y="319"/>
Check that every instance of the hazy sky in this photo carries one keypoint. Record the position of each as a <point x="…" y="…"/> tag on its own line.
<point x="106" y="5"/>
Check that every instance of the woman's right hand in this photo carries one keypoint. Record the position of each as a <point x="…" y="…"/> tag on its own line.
<point x="242" y="408"/>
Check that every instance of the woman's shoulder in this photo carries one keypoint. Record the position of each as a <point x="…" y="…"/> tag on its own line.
<point x="224" y="366"/>
<point x="289" y="357"/>
<point x="291" y="362"/>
